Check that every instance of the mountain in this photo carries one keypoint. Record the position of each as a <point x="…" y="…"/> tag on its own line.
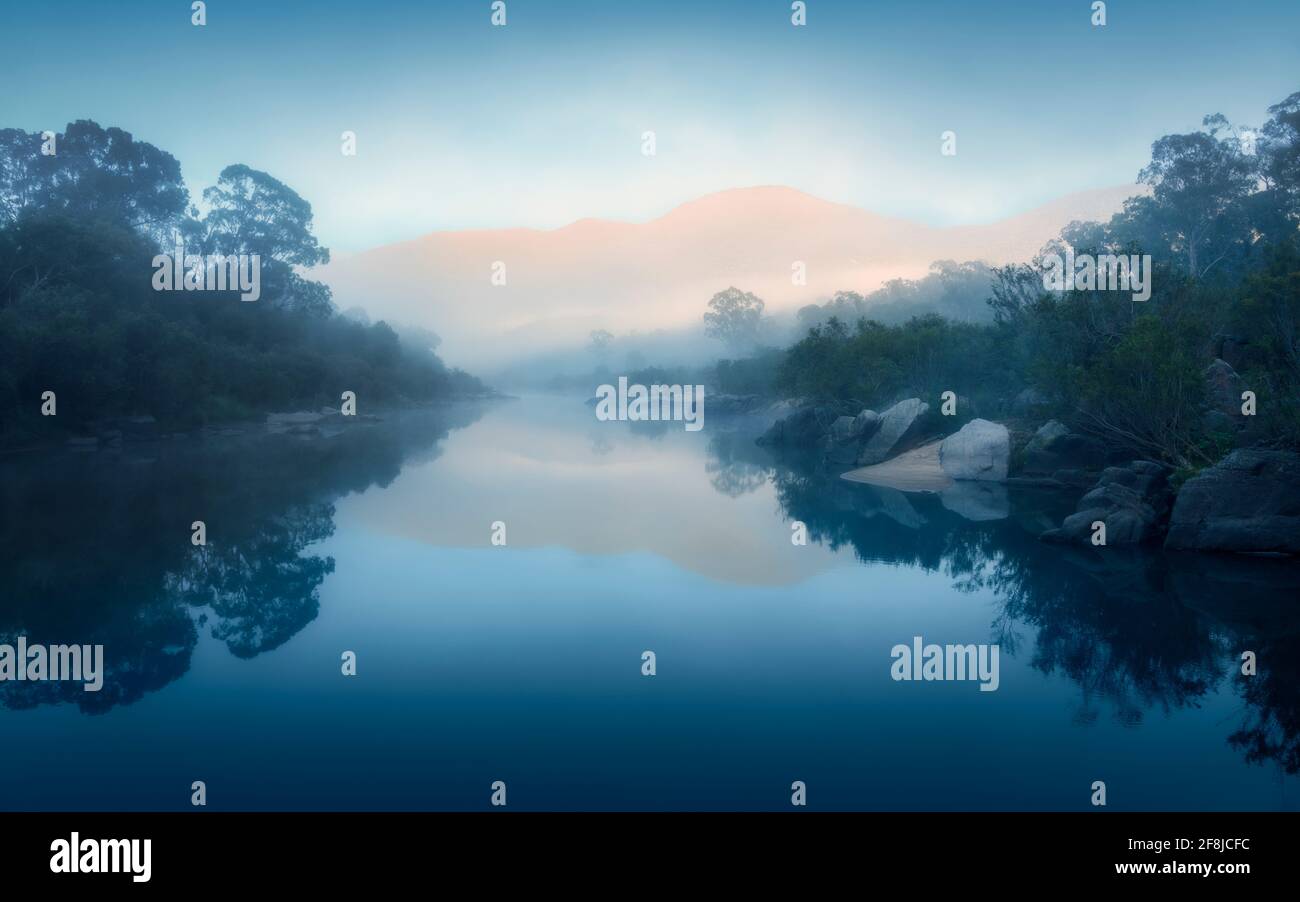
<point x="596" y="274"/>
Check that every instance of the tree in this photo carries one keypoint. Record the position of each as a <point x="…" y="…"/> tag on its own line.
<point x="95" y="173"/>
<point x="1198" y="182"/>
<point x="734" y="318"/>
<point x="19" y="186"/>
<point x="1146" y="393"/>
<point x="1015" y="288"/>
<point x="79" y="316"/>
<point x="1281" y="150"/>
<point x="250" y="212"/>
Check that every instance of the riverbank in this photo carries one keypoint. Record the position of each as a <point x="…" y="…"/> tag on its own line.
<point x="113" y="433"/>
<point x="917" y="470"/>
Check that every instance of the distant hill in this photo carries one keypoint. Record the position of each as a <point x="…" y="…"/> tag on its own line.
<point x="563" y="283"/>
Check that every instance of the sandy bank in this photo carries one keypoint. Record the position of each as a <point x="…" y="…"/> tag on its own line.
<point x="917" y="470"/>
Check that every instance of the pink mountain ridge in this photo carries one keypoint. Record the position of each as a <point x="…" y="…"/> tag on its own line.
<point x="659" y="275"/>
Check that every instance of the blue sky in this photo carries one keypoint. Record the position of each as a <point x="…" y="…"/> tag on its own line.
<point x="463" y="125"/>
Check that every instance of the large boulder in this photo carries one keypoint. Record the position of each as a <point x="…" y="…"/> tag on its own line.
<point x="1249" y="501"/>
<point x="1132" y="501"/>
<point x="807" y="426"/>
<point x="900" y="428"/>
<point x="979" y="450"/>
<point x="1046" y="434"/>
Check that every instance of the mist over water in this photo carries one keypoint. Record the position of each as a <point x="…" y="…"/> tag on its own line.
<point x="522" y="663"/>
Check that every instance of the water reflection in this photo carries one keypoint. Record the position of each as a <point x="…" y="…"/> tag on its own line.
<point x="95" y="549"/>
<point x="1136" y="631"/>
<point x="735" y="468"/>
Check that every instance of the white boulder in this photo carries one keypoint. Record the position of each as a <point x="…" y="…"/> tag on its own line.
<point x="981" y="450"/>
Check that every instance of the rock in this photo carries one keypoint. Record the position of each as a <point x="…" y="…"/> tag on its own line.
<point x="807" y="426"/>
<point x="1143" y="476"/>
<point x="1249" y="501"/>
<point x="843" y="442"/>
<point x="1054" y="447"/>
<point x="899" y="430"/>
<point x="1046" y="434"/>
<point x="979" y="450"/>
<point x="843" y="429"/>
<point x="1132" y="501"/>
<point x="867" y="423"/>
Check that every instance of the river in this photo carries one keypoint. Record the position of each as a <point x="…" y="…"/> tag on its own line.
<point x="522" y="662"/>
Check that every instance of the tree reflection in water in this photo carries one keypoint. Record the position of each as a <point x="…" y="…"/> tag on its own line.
<point x="1135" y="630"/>
<point x="96" y="548"/>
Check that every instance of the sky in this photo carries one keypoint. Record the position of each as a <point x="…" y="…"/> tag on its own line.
<point x="462" y="125"/>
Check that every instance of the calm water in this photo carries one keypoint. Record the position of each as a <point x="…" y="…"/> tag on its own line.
<point x="523" y="663"/>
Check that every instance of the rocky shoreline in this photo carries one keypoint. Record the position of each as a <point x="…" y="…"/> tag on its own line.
<point x="1248" y="502"/>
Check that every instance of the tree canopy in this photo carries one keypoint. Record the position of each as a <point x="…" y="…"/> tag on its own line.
<point x="78" y="315"/>
<point x="1220" y="225"/>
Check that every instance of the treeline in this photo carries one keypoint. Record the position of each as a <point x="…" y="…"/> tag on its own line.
<point x="952" y="290"/>
<point x="79" y="316"/>
<point x="1220" y="224"/>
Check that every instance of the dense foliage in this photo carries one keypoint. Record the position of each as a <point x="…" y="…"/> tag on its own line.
<point x="79" y="316"/>
<point x="1220" y="224"/>
<point x="953" y="290"/>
